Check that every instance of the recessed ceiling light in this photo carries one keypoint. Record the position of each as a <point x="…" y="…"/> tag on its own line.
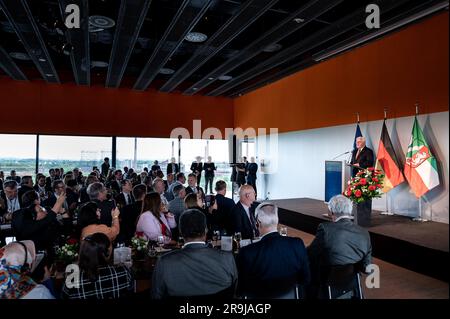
<point x="101" y="22"/>
<point x="20" y="56"/>
<point x="196" y="37"/>
<point x="273" y="47"/>
<point x="194" y="89"/>
<point x="225" y="77"/>
<point x="210" y="78"/>
<point x="299" y="20"/>
<point x="42" y="60"/>
<point x="167" y="71"/>
<point x="48" y="74"/>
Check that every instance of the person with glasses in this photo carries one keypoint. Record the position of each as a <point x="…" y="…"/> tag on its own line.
<point x="9" y="200"/>
<point x="243" y="214"/>
<point x="275" y="265"/>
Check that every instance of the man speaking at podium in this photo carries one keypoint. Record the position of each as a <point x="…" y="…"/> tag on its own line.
<point x="362" y="156"/>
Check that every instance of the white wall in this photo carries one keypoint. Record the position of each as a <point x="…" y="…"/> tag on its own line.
<point x="301" y="157"/>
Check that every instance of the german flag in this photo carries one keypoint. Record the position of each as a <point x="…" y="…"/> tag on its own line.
<point x="387" y="162"/>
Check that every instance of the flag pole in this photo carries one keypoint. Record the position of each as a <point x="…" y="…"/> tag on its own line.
<point x="420" y="217"/>
<point x="387" y="211"/>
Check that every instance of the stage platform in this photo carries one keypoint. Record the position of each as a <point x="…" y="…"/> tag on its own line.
<point x="419" y="246"/>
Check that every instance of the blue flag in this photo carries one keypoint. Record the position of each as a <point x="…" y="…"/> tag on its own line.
<point x="357" y="134"/>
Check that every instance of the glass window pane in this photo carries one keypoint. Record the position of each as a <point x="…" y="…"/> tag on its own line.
<point x="69" y="152"/>
<point x="18" y="152"/>
<point x="125" y="152"/>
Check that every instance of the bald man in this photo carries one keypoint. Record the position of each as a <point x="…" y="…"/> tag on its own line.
<point x="362" y="156"/>
<point x="243" y="214"/>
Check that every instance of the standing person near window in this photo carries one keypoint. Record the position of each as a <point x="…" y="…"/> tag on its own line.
<point x="209" y="168"/>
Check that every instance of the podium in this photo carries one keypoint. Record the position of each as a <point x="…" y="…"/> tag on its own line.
<point x="337" y="173"/>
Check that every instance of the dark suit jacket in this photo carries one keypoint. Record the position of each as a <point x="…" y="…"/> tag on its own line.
<point x="340" y="243"/>
<point x="209" y="169"/>
<point x="105" y="168"/>
<point x="272" y="265"/>
<point x="115" y="186"/>
<point x="197" y="167"/>
<point x="22" y="190"/>
<point x="241" y="222"/>
<point x="365" y="159"/>
<point x="120" y="199"/>
<point x="195" y="270"/>
<point x="105" y="211"/>
<point x="170" y="170"/>
<point x="189" y="190"/>
<point x="224" y="217"/>
<point x="128" y="219"/>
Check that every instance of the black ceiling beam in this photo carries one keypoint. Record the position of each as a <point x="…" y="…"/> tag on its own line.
<point x="328" y="33"/>
<point x="129" y="23"/>
<point x="21" y="19"/>
<point x="309" y="61"/>
<point x="78" y="38"/>
<point x="308" y="12"/>
<point x="10" y="67"/>
<point x="185" y="19"/>
<point x="248" y="13"/>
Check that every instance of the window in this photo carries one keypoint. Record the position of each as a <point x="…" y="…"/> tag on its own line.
<point x="18" y="152"/>
<point x="69" y="152"/>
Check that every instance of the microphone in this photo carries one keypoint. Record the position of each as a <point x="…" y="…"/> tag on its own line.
<point x="341" y="154"/>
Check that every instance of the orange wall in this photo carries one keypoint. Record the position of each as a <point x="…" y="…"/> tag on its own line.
<point x="38" y="107"/>
<point x="404" y="68"/>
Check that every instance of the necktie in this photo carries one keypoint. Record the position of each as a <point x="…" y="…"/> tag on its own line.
<point x="357" y="153"/>
<point x="128" y="199"/>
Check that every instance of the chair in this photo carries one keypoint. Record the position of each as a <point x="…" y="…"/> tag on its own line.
<point x="341" y="282"/>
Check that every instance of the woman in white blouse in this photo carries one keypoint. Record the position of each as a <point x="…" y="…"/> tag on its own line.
<point x="154" y="220"/>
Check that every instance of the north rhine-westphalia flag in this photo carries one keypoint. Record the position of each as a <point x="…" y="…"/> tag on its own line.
<point x="421" y="166"/>
<point x="387" y="162"/>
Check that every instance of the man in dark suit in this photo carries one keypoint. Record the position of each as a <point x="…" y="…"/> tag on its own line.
<point x="116" y="185"/>
<point x="252" y="169"/>
<point x="129" y="214"/>
<point x="362" y="156"/>
<point x="126" y="196"/>
<point x="271" y="267"/>
<point x="172" y="167"/>
<point x="9" y="200"/>
<point x="209" y="168"/>
<point x="223" y="215"/>
<point x="196" y="269"/>
<point x="97" y="193"/>
<point x="243" y="214"/>
<point x="14" y="177"/>
<point x="196" y="168"/>
<point x="25" y="186"/>
<point x="192" y="185"/>
<point x="105" y="167"/>
<point x="341" y="242"/>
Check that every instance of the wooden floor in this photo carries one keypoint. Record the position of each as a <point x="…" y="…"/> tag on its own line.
<point x="395" y="282"/>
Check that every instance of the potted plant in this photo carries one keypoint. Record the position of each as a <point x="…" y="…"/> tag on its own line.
<point x="361" y="189"/>
<point x="139" y="244"/>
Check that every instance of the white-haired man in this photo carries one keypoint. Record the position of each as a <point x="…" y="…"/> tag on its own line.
<point x="362" y="156"/>
<point x="340" y="242"/>
<point x="271" y="267"/>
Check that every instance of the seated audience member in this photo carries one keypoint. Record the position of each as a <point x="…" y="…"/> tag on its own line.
<point x="153" y="222"/>
<point x="158" y="187"/>
<point x="84" y="197"/>
<point x="59" y="189"/>
<point x="125" y="197"/>
<point x="9" y="200"/>
<point x="16" y="263"/>
<point x="13" y="177"/>
<point x="194" y="270"/>
<point x="38" y="223"/>
<point x="180" y="180"/>
<point x="40" y="188"/>
<point x="98" y="278"/>
<point x="129" y="214"/>
<point x="192" y="185"/>
<point x="98" y="194"/>
<point x="25" y="186"/>
<point x="340" y="242"/>
<point x="271" y="267"/>
<point x="195" y="201"/>
<point x="89" y="222"/>
<point x="243" y="214"/>
<point x="225" y="205"/>
<point x="72" y="195"/>
<point x="177" y="206"/>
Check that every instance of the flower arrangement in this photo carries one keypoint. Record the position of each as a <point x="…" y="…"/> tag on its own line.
<point x="365" y="185"/>
<point x="68" y="252"/>
<point x="139" y="243"/>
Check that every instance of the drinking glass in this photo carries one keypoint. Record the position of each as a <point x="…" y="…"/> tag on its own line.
<point x="160" y="241"/>
<point x="237" y="236"/>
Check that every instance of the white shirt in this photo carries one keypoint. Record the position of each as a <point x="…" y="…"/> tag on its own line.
<point x="194" y="242"/>
<point x="13" y="204"/>
<point x="247" y="211"/>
